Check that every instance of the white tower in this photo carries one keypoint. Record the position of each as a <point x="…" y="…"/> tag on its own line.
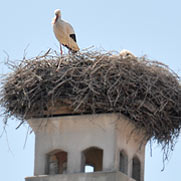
<point x="66" y="145"/>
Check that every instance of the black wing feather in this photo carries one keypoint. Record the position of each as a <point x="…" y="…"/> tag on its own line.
<point x="73" y="36"/>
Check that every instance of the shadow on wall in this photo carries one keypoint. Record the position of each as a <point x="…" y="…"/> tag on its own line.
<point x="56" y="162"/>
<point x="123" y="162"/>
<point x="136" y="169"/>
<point x="92" y="157"/>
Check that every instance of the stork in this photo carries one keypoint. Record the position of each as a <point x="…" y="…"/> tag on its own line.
<point x="126" y="54"/>
<point x="64" y="33"/>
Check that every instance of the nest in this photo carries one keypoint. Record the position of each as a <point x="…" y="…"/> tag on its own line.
<point x="145" y="91"/>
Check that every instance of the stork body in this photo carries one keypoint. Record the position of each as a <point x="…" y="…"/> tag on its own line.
<point x="64" y="33"/>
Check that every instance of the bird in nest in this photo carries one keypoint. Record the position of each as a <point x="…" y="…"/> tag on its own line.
<point x="64" y="33"/>
<point x="126" y="54"/>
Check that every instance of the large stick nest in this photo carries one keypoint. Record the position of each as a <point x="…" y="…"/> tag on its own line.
<point x="147" y="92"/>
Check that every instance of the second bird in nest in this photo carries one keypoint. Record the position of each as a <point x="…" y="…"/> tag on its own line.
<point x="64" y="33"/>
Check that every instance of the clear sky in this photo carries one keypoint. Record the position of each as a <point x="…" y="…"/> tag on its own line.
<point x="151" y="27"/>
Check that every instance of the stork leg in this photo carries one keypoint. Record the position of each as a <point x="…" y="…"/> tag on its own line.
<point x="61" y="51"/>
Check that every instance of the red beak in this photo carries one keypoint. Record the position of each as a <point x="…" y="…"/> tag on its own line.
<point x="55" y="19"/>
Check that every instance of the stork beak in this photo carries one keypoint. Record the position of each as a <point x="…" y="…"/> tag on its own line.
<point x="55" y="19"/>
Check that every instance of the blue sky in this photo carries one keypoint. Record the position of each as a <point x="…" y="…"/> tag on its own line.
<point x="150" y="27"/>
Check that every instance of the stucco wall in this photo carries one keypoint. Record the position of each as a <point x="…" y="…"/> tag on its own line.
<point x="73" y="134"/>
<point x="132" y="143"/>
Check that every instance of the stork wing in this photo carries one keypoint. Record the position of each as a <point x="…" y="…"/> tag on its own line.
<point x="70" y="31"/>
<point x="66" y="35"/>
<point x="69" y="28"/>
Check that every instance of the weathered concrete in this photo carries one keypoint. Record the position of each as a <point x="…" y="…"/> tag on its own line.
<point x="96" y="176"/>
<point x="73" y="134"/>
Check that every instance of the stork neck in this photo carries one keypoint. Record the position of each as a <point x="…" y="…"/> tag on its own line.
<point x="58" y="17"/>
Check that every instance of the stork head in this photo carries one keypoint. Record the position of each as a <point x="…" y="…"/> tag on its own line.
<point x="57" y="12"/>
<point x="126" y="54"/>
<point x="57" y="15"/>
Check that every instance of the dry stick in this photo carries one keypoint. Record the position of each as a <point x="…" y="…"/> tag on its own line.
<point x="26" y="137"/>
<point x="20" y="124"/>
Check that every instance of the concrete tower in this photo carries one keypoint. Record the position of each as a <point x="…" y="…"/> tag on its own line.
<point x="66" y="145"/>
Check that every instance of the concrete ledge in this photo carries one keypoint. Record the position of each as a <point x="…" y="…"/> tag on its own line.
<point x="96" y="176"/>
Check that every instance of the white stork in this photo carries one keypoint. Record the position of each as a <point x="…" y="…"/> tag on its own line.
<point x="126" y="54"/>
<point x="64" y="33"/>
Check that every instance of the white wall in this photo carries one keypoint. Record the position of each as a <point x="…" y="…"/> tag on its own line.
<point x="73" y="134"/>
